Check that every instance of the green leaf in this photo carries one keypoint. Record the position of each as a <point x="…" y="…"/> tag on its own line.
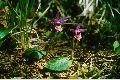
<point x="34" y="53"/>
<point x="117" y="50"/>
<point x="59" y="64"/>
<point x="116" y="44"/>
<point x="2" y="4"/>
<point x="47" y="34"/>
<point x="40" y="14"/>
<point x="3" y="32"/>
<point x="58" y="34"/>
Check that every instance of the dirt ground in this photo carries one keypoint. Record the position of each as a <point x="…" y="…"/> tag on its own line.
<point x="86" y="64"/>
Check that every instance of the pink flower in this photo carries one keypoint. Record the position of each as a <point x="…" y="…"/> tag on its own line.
<point x="77" y="32"/>
<point x="78" y="37"/>
<point x="57" y="23"/>
<point x="58" y="28"/>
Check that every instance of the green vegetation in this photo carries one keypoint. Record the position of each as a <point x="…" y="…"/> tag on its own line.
<point x="59" y="39"/>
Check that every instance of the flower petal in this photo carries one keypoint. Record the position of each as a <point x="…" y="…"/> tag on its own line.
<point x="62" y="19"/>
<point x="58" y="28"/>
<point x="82" y="30"/>
<point x="58" y="20"/>
<point x="78" y="37"/>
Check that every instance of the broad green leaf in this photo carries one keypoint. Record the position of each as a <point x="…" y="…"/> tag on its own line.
<point x="34" y="53"/>
<point x="116" y="44"/>
<point x="117" y="50"/>
<point x="3" y="32"/>
<point x="59" y="64"/>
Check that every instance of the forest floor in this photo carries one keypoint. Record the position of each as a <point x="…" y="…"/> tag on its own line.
<point x="86" y="64"/>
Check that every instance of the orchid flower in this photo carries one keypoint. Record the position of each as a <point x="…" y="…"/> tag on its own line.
<point x="78" y="36"/>
<point x="58" y="28"/>
<point x="77" y="32"/>
<point x="57" y="23"/>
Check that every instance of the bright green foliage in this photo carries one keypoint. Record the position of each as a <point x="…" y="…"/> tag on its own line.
<point x="117" y="50"/>
<point x="3" y="32"/>
<point x="34" y="53"/>
<point x="59" y="64"/>
<point x="116" y="44"/>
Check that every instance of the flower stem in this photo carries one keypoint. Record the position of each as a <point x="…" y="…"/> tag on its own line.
<point x="73" y="45"/>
